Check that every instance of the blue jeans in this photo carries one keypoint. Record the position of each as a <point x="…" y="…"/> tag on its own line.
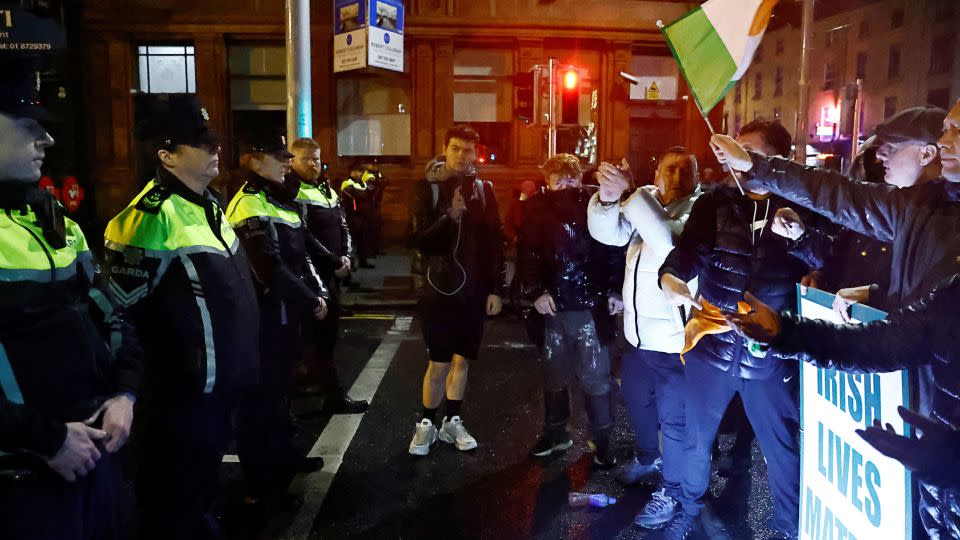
<point x="772" y="408"/>
<point x="652" y="384"/>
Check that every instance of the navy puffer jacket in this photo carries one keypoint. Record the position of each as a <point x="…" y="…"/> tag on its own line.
<point x="728" y="243"/>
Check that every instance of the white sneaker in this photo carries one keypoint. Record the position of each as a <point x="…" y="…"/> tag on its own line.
<point x="453" y="432"/>
<point x="423" y="438"/>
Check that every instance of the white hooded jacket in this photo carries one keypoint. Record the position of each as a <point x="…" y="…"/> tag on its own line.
<point x="649" y="321"/>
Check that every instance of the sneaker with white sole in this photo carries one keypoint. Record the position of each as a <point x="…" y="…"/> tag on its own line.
<point x="423" y="438"/>
<point x="633" y="471"/>
<point x="453" y="432"/>
<point x="659" y="510"/>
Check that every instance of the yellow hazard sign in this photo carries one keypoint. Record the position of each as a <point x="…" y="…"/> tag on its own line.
<point x="653" y="91"/>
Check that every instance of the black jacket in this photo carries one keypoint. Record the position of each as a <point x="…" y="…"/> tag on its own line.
<point x="557" y="255"/>
<point x="326" y="218"/>
<point x="284" y="257"/>
<point x="923" y="333"/>
<point x="65" y="346"/>
<point x="858" y="260"/>
<point x="719" y="246"/>
<point x="920" y="221"/>
<point x="478" y="240"/>
<point x="176" y="263"/>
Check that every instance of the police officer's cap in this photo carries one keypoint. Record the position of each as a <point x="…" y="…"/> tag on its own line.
<point x="20" y="90"/>
<point x="172" y="119"/>
<point x="270" y="142"/>
<point x="919" y="124"/>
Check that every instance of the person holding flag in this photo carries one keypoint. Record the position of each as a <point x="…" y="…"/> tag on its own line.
<point x="729" y="242"/>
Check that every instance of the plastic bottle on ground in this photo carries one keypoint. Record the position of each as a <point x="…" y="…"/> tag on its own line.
<point x="597" y="500"/>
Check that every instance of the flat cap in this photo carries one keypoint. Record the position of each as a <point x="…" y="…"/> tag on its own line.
<point x="920" y="124"/>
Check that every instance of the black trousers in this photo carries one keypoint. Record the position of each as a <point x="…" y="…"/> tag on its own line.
<point x="265" y="428"/>
<point x="41" y="505"/>
<point x="322" y="369"/>
<point x="180" y="443"/>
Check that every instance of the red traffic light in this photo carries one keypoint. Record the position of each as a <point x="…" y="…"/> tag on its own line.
<point x="571" y="79"/>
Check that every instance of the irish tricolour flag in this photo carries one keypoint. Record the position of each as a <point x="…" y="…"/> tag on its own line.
<point x="714" y="45"/>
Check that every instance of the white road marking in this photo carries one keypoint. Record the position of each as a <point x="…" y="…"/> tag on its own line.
<point x="337" y="436"/>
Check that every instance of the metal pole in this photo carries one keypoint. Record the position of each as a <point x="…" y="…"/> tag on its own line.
<point x="855" y="135"/>
<point x="537" y="120"/>
<point x="800" y="135"/>
<point x="552" y="131"/>
<point x="299" y="107"/>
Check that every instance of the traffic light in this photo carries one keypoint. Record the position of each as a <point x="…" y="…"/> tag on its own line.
<point x="570" y="97"/>
<point x="525" y="95"/>
<point x="571" y="79"/>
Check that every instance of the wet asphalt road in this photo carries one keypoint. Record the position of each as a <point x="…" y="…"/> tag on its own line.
<point x="495" y="491"/>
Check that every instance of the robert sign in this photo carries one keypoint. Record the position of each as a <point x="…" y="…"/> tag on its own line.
<point x="377" y="26"/>
<point x="848" y="490"/>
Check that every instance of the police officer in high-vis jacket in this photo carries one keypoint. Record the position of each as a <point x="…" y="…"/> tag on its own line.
<point x="327" y="221"/>
<point x="69" y="363"/>
<point x="358" y="201"/>
<point x="175" y="261"/>
<point x="285" y="259"/>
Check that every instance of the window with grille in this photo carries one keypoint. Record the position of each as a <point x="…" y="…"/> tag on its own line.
<point x="778" y="82"/>
<point x="167" y="69"/>
<point x="893" y="66"/>
<point x="862" y="65"/>
<point x="758" y="86"/>
<point x="942" y="53"/>
<point x="829" y="75"/>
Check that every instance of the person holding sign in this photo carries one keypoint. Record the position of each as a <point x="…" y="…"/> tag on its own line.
<point x="920" y="334"/>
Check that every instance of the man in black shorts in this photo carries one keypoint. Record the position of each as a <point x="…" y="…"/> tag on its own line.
<point x="456" y="227"/>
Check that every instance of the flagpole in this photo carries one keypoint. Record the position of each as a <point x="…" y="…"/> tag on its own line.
<point x="736" y="177"/>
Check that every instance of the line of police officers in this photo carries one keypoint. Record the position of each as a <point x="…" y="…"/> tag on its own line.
<point x="195" y="312"/>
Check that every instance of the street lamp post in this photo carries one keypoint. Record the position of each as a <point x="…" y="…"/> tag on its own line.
<point x="299" y="108"/>
<point x="552" y="129"/>
<point x="804" y="98"/>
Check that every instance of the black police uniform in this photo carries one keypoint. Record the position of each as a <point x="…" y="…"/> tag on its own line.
<point x="64" y="349"/>
<point x="358" y="202"/>
<point x="327" y="221"/>
<point x="175" y="261"/>
<point x="284" y="258"/>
